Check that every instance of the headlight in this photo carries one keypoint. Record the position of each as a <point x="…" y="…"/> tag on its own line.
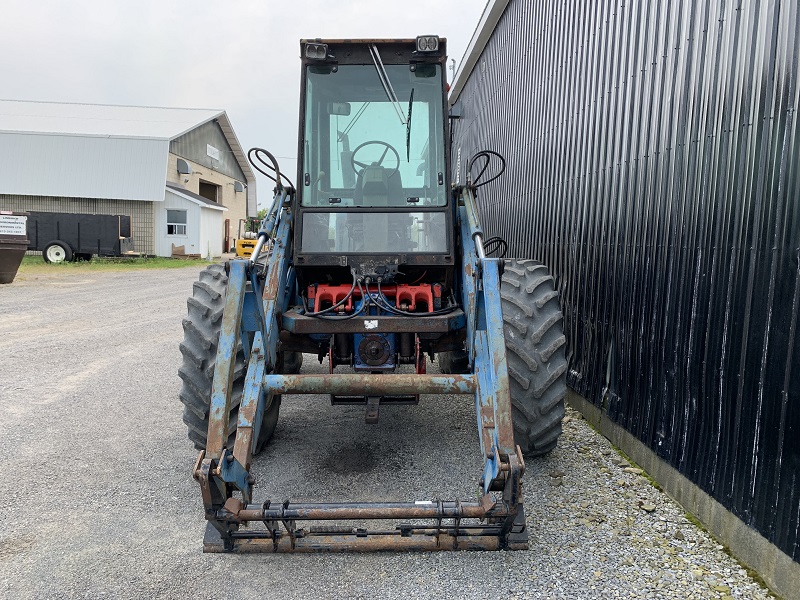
<point x="317" y="51"/>
<point x="427" y="43"/>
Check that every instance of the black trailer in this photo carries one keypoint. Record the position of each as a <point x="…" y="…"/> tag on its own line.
<point x="65" y="237"/>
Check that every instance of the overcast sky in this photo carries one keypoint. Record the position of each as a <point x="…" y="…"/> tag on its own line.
<point x="240" y="56"/>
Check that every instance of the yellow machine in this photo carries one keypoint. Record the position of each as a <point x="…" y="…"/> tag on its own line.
<point x="247" y="238"/>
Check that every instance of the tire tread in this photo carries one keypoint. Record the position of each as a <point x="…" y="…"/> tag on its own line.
<point x="198" y="351"/>
<point x="536" y="354"/>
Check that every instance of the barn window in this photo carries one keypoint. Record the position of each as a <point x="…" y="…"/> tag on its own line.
<point x="209" y="191"/>
<point x="176" y="222"/>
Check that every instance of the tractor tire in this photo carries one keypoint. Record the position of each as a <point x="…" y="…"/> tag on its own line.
<point x="57" y="252"/>
<point x="199" y="349"/>
<point x="292" y="361"/>
<point x="455" y="362"/>
<point x="535" y="350"/>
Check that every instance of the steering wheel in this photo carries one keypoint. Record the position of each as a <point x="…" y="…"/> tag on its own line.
<point x="355" y="163"/>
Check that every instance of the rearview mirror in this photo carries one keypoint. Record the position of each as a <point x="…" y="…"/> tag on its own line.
<point x="424" y="70"/>
<point x="339" y="108"/>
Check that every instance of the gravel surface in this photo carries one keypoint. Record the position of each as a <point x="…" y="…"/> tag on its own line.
<point x="102" y="504"/>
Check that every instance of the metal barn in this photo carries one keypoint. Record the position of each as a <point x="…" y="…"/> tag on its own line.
<point x="101" y="159"/>
<point x="653" y="159"/>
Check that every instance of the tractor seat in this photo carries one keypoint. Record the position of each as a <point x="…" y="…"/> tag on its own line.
<point x="380" y="232"/>
<point x="377" y="187"/>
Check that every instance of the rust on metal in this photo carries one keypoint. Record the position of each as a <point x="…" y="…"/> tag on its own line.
<point x="487" y="426"/>
<point x="225" y="363"/>
<point x="368" y="384"/>
<point x="310" y="511"/>
<point x="233" y="506"/>
<point x="203" y="476"/>
<point x="248" y="408"/>
<point x="489" y="525"/>
<point x="353" y="543"/>
<point x="197" y="464"/>
<point x="495" y="340"/>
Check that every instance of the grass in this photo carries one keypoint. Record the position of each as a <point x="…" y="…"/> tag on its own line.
<point x="35" y="265"/>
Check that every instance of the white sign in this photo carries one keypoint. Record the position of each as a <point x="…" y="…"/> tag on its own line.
<point x="371" y="324"/>
<point x="212" y="152"/>
<point x="13" y="225"/>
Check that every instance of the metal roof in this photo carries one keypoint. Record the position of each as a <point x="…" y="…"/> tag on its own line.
<point x="196" y="198"/>
<point x="101" y="119"/>
<point x="51" y="148"/>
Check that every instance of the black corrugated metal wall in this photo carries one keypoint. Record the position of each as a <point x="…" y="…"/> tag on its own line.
<point x="653" y="154"/>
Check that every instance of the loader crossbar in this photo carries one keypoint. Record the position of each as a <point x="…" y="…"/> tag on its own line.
<point x="454" y="527"/>
<point x="368" y="384"/>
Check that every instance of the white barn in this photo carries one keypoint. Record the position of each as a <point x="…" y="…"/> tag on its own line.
<point x="180" y="173"/>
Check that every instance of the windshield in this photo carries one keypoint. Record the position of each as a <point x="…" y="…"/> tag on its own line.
<point x="397" y="232"/>
<point x="371" y="144"/>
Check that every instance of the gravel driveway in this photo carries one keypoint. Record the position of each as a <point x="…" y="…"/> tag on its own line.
<point x="99" y="500"/>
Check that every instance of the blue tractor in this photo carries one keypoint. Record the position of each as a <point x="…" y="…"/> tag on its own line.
<point x="374" y="263"/>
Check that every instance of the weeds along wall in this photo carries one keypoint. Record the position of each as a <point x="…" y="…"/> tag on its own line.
<point x="653" y="160"/>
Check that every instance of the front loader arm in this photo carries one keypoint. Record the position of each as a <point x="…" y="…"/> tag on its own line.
<point x="504" y="464"/>
<point x="221" y="470"/>
<point x="224" y="472"/>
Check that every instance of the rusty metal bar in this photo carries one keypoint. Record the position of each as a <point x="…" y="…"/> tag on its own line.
<point x="368" y="384"/>
<point x="318" y="511"/>
<point x="426" y="542"/>
<point x="451" y="525"/>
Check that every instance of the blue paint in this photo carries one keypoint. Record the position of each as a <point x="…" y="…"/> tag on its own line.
<point x="234" y="473"/>
<point x="227" y="347"/>
<point x="251" y="317"/>
<point x="274" y="291"/>
<point x="496" y="356"/>
<point x="253" y="396"/>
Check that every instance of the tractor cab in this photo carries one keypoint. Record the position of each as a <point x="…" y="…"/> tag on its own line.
<point x="372" y="191"/>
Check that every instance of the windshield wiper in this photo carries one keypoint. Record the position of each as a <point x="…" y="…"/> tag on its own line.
<point x="408" y="126"/>
<point x="387" y="85"/>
